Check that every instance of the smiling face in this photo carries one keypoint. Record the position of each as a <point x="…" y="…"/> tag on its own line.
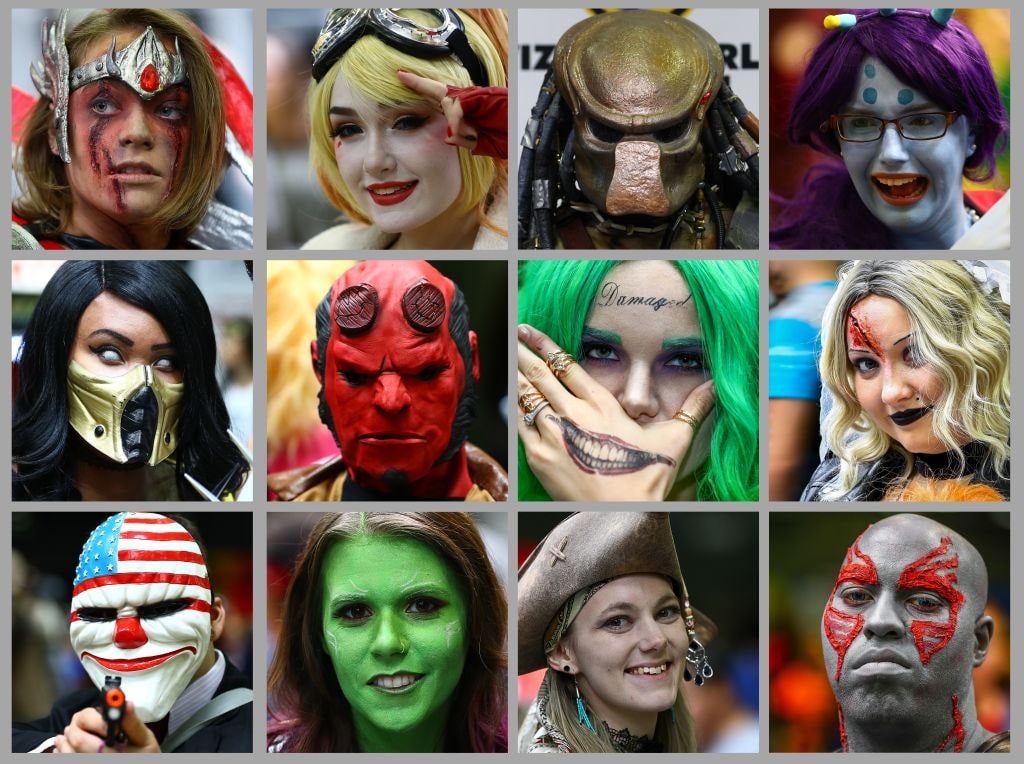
<point x="642" y="342"/>
<point x="126" y="153"/>
<point x="394" y="161"/>
<point x="626" y="648"/>
<point x="394" y="625"/>
<point x="913" y="187"/>
<point x="141" y="609"/>
<point x="896" y="389"/>
<point x="900" y="630"/>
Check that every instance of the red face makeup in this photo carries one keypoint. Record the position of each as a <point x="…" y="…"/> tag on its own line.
<point x="934" y="575"/>
<point x="955" y="736"/>
<point x="859" y="335"/>
<point x="126" y="152"/>
<point x="393" y="376"/>
<point x="842" y="628"/>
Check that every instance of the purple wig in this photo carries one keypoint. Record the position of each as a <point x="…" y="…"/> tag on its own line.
<point x="945" y="62"/>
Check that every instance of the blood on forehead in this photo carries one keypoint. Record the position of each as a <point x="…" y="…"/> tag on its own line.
<point x="935" y="574"/>
<point x="859" y="335"/>
<point x="842" y="628"/>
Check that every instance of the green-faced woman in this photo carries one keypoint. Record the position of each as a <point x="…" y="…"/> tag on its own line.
<point x="392" y="640"/>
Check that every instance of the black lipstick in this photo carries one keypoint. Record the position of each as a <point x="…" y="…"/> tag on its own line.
<point x="909" y="416"/>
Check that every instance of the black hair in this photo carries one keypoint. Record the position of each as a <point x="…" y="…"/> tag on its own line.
<point x="458" y="328"/>
<point x="41" y="429"/>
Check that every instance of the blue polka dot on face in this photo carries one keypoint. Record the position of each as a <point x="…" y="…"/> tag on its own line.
<point x="869" y="71"/>
<point x="905" y="96"/>
<point x="870" y="95"/>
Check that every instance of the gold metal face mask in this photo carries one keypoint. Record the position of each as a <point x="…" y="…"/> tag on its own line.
<point x="638" y="83"/>
<point x="130" y="419"/>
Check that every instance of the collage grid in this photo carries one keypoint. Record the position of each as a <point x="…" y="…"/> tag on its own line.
<point x="767" y="537"/>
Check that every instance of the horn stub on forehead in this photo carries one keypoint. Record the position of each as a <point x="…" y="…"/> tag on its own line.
<point x="423" y="306"/>
<point x="356" y="308"/>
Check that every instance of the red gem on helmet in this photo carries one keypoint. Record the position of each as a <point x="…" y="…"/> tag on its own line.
<point x="149" y="80"/>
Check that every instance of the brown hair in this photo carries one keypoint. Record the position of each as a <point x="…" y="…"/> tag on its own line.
<point x="45" y="194"/>
<point x="312" y="714"/>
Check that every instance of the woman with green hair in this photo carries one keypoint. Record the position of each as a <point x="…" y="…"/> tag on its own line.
<point x="638" y="380"/>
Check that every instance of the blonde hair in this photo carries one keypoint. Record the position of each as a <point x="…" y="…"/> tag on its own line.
<point x="961" y="334"/>
<point x="370" y="68"/>
<point x="294" y="289"/>
<point x="675" y="729"/>
<point x="45" y="194"/>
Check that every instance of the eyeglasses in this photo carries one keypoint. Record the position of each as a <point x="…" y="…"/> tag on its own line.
<point x="861" y="128"/>
<point x="346" y="25"/>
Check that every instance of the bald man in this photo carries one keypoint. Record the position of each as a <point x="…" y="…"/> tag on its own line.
<point x="902" y="633"/>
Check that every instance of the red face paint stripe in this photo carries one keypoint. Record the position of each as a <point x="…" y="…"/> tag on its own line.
<point x="157" y="536"/>
<point x="842" y="732"/>
<point x="141" y="578"/>
<point x="160" y="556"/>
<point x="149" y="521"/>
<point x="842" y="628"/>
<point x="956" y="734"/>
<point x="924" y="573"/>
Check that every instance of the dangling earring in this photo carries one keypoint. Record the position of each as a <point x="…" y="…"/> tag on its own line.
<point x="581" y="710"/>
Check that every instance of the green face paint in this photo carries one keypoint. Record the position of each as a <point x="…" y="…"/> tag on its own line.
<point x="395" y="627"/>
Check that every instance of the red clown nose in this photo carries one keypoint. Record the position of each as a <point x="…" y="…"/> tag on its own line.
<point x="128" y="633"/>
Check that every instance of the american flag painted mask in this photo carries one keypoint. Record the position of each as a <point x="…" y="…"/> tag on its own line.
<point x="140" y="609"/>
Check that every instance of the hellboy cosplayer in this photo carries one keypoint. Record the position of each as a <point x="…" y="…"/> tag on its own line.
<point x="397" y="364"/>
<point x="637" y="142"/>
<point x="902" y="633"/>
<point x="144" y="620"/>
<point x="138" y="119"/>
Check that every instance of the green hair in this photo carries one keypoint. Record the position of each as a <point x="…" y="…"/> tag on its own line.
<point x="556" y="296"/>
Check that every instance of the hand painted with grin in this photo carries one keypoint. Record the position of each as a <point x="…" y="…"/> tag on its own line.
<point x="584" y="446"/>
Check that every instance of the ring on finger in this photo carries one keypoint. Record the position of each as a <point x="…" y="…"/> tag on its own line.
<point x="531" y="401"/>
<point x="687" y="418"/>
<point x="560" y="362"/>
<point x="530" y="416"/>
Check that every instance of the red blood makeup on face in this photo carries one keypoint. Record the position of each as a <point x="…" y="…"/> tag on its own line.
<point x="127" y="152"/>
<point x="393" y="376"/>
<point x="935" y="575"/>
<point x="956" y="733"/>
<point x="859" y="335"/>
<point x="842" y="628"/>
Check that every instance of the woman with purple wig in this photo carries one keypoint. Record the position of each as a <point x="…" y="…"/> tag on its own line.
<point x="905" y="106"/>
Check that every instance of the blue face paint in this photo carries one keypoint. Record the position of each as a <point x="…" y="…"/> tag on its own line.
<point x="913" y="187"/>
<point x="869" y="71"/>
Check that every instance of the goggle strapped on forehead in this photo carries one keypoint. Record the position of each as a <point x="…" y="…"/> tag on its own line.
<point x="346" y="25"/>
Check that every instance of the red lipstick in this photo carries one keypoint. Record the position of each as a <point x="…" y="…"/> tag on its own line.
<point x="394" y="192"/>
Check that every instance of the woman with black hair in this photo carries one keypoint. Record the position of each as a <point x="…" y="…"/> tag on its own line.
<point x="117" y="397"/>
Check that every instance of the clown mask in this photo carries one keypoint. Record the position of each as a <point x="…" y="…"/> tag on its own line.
<point x="141" y="609"/>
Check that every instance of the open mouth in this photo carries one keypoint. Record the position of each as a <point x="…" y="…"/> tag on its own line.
<point x="909" y="416"/>
<point x="901" y="188"/>
<point x="657" y="670"/>
<point x="122" y="665"/>
<point x="605" y="454"/>
<point x="395" y="682"/>
<point x="386" y="194"/>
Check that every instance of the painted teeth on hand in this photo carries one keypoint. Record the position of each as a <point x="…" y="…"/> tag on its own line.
<point x="598" y="453"/>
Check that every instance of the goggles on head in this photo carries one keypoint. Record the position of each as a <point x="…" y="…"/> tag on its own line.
<point x="346" y="25"/>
